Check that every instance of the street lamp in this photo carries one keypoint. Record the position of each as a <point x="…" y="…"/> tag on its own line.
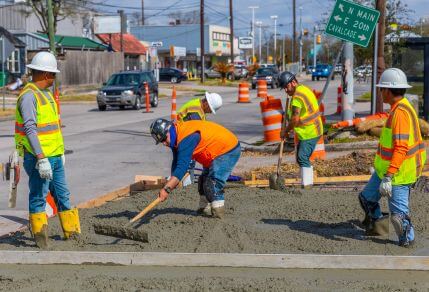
<point x="259" y="23"/>
<point x="253" y="29"/>
<point x="300" y="39"/>
<point x="275" y="37"/>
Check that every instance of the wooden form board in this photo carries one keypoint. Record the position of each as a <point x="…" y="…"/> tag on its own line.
<point x="279" y="261"/>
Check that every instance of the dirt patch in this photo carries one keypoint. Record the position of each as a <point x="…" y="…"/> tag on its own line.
<point x="257" y="221"/>
<point x="355" y="163"/>
<point x="114" y="278"/>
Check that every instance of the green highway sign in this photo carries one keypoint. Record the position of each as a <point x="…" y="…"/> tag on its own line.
<point x="352" y="22"/>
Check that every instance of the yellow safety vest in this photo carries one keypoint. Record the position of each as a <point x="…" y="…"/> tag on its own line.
<point x="192" y="106"/>
<point x="414" y="162"/>
<point x="48" y="126"/>
<point x="310" y="125"/>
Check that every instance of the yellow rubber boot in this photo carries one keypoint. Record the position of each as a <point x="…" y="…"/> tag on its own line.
<point x="70" y="222"/>
<point x="39" y="228"/>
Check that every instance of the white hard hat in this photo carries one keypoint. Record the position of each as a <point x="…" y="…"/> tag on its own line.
<point x="214" y="100"/>
<point x="44" y="61"/>
<point x="393" y="78"/>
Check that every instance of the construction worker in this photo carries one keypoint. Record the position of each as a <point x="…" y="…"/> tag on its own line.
<point x="39" y="140"/>
<point x="304" y="119"/>
<point x="210" y="144"/>
<point x="196" y="109"/>
<point x="398" y="163"/>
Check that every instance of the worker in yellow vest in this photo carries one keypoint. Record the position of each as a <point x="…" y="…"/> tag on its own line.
<point x="39" y="140"/>
<point x="197" y="109"/>
<point x="399" y="162"/>
<point x="304" y="118"/>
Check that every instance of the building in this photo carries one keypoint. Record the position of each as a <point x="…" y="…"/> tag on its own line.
<point x="217" y="45"/>
<point x="14" y="64"/>
<point x="134" y="51"/>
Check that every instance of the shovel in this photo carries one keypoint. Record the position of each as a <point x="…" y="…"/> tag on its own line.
<point x="276" y="181"/>
<point x="126" y="232"/>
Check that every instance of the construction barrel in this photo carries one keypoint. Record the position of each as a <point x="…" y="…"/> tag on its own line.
<point x="262" y="89"/>
<point x="272" y="116"/>
<point x="243" y="93"/>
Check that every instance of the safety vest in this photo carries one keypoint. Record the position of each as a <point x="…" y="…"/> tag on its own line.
<point x="48" y="126"/>
<point x="192" y="106"/>
<point x="412" y="167"/>
<point x="215" y="140"/>
<point x="310" y="124"/>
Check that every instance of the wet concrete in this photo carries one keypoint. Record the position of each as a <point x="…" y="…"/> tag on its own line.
<point x="115" y="278"/>
<point x="257" y="221"/>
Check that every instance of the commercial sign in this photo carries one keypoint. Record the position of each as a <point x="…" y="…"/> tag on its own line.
<point x="177" y="51"/>
<point x="156" y="44"/>
<point x="107" y="24"/>
<point x="245" y="43"/>
<point x="352" y="22"/>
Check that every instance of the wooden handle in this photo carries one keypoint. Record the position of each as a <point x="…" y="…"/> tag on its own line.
<point x="146" y="210"/>
<point x="282" y="142"/>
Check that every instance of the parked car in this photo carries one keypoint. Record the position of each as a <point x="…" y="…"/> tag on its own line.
<point x="322" y="71"/>
<point x="127" y="89"/>
<point x="310" y="70"/>
<point x="173" y="75"/>
<point x="211" y="73"/>
<point x="240" y="71"/>
<point x="271" y="75"/>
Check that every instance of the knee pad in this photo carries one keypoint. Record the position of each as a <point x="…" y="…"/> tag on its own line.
<point x="209" y="188"/>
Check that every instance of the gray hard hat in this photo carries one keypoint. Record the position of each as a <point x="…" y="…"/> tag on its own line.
<point x="285" y="78"/>
<point x="159" y="129"/>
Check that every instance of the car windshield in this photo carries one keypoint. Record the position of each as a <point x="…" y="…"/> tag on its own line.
<point x="321" y="67"/>
<point x="124" y="80"/>
<point x="264" y="71"/>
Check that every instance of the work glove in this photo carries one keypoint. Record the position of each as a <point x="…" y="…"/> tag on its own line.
<point x="386" y="187"/>
<point x="45" y="169"/>
<point x="63" y="160"/>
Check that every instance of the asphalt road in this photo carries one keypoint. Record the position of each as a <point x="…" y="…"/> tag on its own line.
<point x="107" y="149"/>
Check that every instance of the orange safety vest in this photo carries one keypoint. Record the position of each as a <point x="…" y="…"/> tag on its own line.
<point x="215" y="140"/>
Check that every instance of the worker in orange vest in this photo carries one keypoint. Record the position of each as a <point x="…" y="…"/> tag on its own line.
<point x="216" y="148"/>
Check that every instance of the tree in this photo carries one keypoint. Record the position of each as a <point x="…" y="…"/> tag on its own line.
<point x="223" y="69"/>
<point x="62" y="9"/>
<point x="189" y="17"/>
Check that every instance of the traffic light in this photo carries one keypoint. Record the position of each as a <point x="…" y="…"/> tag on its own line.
<point x="306" y="32"/>
<point x="318" y="39"/>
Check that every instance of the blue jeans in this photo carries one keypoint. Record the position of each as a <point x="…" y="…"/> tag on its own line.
<point x="39" y="187"/>
<point x="214" y="178"/>
<point x="398" y="203"/>
<point x="304" y="150"/>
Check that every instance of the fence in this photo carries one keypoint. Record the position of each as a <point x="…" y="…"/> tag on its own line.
<point x="80" y="67"/>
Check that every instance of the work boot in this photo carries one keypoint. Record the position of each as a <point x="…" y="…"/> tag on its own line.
<point x="39" y="229"/>
<point x="204" y="207"/>
<point x="378" y="227"/>
<point x="70" y="223"/>
<point x="218" y="209"/>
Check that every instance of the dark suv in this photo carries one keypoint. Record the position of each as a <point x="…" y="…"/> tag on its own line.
<point x="127" y="89"/>
<point x="172" y="74"/>
<point x="271" y="75"/>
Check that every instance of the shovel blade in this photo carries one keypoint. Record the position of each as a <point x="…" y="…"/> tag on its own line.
<point x="121" y="232"/>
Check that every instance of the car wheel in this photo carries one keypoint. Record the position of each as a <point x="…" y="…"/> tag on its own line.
<point x="273" y="85"/>
<point x="102" y="107"/>
<point x="318" y="78"/>
<point x="206" y="76"/>
<point x="138" y="103"/>
<point x="154" y="102"/>
<point x="312" y="78"/>
<point x="230" y="77"/>
<point x="173" y="79"/>
<point x="121" y="107"/>
<point x="253" y="86"/>
<point x="333" y="77"/>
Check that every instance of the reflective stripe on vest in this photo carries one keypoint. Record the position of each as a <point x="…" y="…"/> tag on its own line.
<point x="412" y="166"/>
<point x="192" y="106"/>
<point x="48" y="127"/>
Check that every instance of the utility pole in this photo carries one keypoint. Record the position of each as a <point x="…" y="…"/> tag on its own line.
<point x="314" y="47"/>
<point x="283" y="54"/>
<point x="121" y="14"/>
<point x="294" y="31"/>
<point x="231" y="27"/>
<point x="259" y="23"/>
<point x="51" y="30"/>
<point x="202" y="39"/>
<point x="380" y="5"/>
<point x="142" y="12"/>
<point x="253" y="29"/>
<point x="275" y="38"/>
<point x="347" y="82"/>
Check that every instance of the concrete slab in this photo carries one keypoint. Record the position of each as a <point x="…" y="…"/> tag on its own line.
<point x="12" y="220"/>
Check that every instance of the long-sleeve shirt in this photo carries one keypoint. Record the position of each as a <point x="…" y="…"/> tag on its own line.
<point x="28" y="109"/>
<point x="182" y="155"/>
<point x="401" y="129"/>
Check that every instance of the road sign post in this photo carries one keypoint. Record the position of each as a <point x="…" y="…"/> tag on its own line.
<point x="352" y="22"/>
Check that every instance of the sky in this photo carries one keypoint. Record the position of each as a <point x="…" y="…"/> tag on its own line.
<point x="218" y="11"/>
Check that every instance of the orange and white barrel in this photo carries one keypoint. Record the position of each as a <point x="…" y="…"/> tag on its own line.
<point x="243" y="93"/>
<point x="272" y="115"/>
<point x="262" y="88"/>
<point x="51" y="208"/>
<point x="319" y="151"/>
<point x="174" y="105"/>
